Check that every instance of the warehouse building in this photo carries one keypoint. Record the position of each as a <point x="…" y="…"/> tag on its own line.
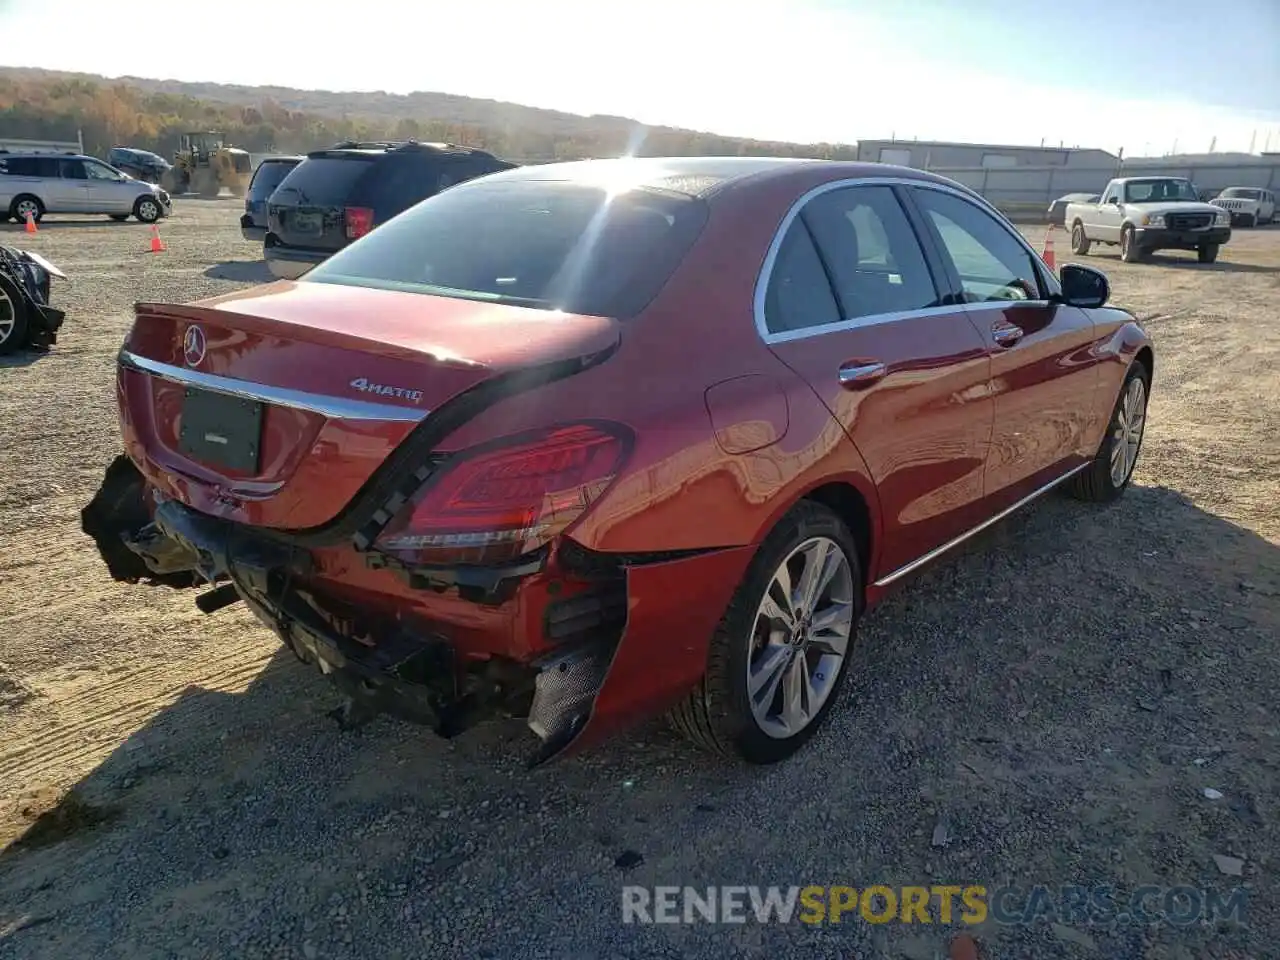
<point x="930" y="154"/>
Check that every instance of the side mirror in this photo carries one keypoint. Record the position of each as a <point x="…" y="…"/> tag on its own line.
<point x="1116" y="201"/>
<point x="1083" y="286"/>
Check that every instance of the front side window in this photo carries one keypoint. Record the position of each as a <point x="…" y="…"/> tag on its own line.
<point x="100" y="171"/>
<point x="72" y="170"/>
<point x="546" y="245"/>
<point x="871" y="250"/>
<point x="992" y="264"/>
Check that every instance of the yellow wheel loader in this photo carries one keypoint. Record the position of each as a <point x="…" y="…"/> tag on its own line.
<point x="205" y="164"/>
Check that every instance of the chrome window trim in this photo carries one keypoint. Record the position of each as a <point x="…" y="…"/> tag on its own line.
<point x="336" y="408"/>
<point x="766" y="269"/>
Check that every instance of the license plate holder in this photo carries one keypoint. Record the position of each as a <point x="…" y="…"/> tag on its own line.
<point x="221" y="430"/>
<point x="305" y="222"/>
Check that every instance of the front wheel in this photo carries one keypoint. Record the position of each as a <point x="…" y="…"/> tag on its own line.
<point x="1079" y="241"/>
<point x="779" y="656"/>
<point x="1130" y="252"/>
<point x="147" y="209"/>
<point x="1208" y="253"/>
<point x="1112" y="467"/>
<point x="13" y="318"/>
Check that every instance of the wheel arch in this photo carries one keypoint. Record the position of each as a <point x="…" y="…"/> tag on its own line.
<point x="27" y="194"/>
<point x="847" y="502"/>
<point x="1147" y="357"/>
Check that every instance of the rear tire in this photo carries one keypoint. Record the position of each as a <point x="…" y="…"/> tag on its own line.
<point x="1208" y="253"/>
<point x="24" y="202"/>
<point x="13" y="318"/>
<point x="750" y="646"/>
<point x="1112" y="468"/>
<point x="1080" y="242"/>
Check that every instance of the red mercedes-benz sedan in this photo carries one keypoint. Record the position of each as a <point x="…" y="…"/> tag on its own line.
<point x="587" y="442"/>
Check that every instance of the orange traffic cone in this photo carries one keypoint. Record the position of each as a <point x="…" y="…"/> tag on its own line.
<point x="31" y="222"/>
<point x="157" y="245"/>
<point x="1047" y="254"/>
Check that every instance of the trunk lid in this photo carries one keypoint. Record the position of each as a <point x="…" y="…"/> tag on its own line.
<point x="273" y="406"/>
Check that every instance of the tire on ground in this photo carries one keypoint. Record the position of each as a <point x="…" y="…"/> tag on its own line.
<point x="717" y="714"/>
<point x="1094" y="483"/>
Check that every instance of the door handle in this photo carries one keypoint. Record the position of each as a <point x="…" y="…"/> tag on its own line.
<point x="1006" y="335"/>
<point x="854" y="376"/>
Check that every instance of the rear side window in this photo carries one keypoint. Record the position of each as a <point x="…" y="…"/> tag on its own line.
<point x="868" y="243"/>
<point x="799" y="294"/>
<point x="322" y="181"/>
<point x="547" y="245"/>
<point x="267" y="177"/>
<point x="33" y="166"/>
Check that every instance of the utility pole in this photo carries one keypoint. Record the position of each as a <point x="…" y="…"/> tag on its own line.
<point x="1253" y="140"/>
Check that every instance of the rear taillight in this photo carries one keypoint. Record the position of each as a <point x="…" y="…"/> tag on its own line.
<point x="359" y="222"/>
<point x="502" y="500"/>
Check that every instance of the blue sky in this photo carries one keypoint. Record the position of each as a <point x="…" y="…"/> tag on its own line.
<point x="1142" y="74"/>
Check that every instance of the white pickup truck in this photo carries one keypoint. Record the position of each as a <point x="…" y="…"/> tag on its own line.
<point x="1145" y="214"/>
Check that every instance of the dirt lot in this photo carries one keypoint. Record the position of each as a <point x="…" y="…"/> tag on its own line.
<point x="1059" y="696"/>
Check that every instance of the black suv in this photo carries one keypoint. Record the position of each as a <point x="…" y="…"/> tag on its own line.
<point x="338" y="195"/>
<point x="269" y="175"/>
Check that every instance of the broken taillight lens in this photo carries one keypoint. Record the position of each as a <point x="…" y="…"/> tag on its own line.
<point x="503" y="500"/>
<point x="359" y="222"/>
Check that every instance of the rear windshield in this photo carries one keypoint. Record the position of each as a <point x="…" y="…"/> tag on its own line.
<point x="322" y="181"/>
<point x="268" y="177"/>
<point x="1242" y="193"/>
<point x="549" y="245"/>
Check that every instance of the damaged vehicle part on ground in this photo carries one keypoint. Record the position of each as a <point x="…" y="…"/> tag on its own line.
<point x="586" y="443"/>
<point x="27" y="318"/>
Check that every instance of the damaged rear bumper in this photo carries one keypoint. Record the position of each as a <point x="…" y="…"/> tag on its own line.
<point x="579" y="687"/>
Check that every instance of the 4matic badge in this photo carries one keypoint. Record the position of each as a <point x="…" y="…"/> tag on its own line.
<point x="386" y="390"/>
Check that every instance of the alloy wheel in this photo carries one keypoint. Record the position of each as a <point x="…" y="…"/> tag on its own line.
<point x="148" y="210"/>
<point x="1126" y="435"/>
<point x="8" y="317"/>
<point x="27" y="207"/>
<point x="800" y="637"/>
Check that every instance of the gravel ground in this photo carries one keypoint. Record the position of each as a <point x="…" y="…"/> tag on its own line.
<point x="1058" y="696"/>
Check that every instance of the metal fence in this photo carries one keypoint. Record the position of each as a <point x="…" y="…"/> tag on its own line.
<point x="1028" y="190"/>
<point x="42" y="146"/>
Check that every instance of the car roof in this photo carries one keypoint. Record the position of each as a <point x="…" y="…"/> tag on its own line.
<point x="280" y="160"/>
<point x="702" y="176"/>
<point x="375" y="149"/>
<point x="10" y="154"/>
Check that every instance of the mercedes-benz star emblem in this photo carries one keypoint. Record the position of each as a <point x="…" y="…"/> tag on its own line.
<point x="193" y="346"/>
